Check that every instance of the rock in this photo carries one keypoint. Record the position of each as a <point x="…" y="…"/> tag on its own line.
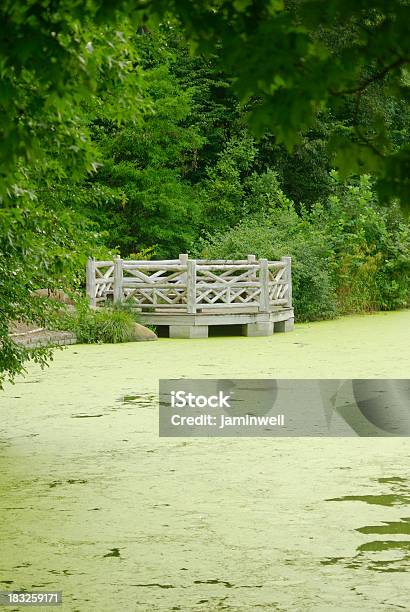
<point x="143" y="334"/>
<point x="54" y="294"/>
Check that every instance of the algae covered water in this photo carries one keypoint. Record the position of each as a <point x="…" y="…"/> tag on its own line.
<point x="93" y="503"/>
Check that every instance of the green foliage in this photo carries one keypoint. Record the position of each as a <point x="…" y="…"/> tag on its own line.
<point x="283" y="232"/>
<point x="370" y="246"/>
<point x="105" y="325"/>
<point x="118" y="136"/>
<point x="348" y="255"/>
<point x="139" y="195"/>
<point x="223" y="189"/>
<point x="52" y="61"/>
<point x="321" y="56"/>
<point x="41" y="247"/>
<point x="304" y="172"/>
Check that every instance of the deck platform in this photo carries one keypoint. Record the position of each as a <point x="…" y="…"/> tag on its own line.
<point x="189" y="296"/>
<point x="196" y="326"/>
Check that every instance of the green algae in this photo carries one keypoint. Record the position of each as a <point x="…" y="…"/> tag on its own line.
<point x="144" y="399"/>
<point x="390" y="527"/>
<point x="377" y="545"/>
<point x="95" y="504"/>
<point x="380" y="500"/>
<point x="395" y="553"/>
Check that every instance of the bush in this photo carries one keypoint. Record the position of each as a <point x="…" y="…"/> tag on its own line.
<point x="106" y="325"/>
<point x="370" y="244"/>
<point x="348" y="255"/>
<point x="281" y="233"/>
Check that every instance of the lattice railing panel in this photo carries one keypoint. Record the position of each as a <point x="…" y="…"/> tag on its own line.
<point x="278" y="285"/>
<point x="235" y="284"/>
<point x="192" y="285"/>
<point x="152" y="285"/>
<point x="104" y="280"/>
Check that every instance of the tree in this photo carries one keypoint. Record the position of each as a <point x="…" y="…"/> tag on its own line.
<point x="54" y="58"/>
<point x="292" y="59"/>
<point x="146" y="200"/>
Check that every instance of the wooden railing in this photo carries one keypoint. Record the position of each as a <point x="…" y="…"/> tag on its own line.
<point x="192" y="285"/>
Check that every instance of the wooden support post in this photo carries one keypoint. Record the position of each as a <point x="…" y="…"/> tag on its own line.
<point x="118" y="279"/>
<point x="264" y="284"/>
<point x="191" y="286"/>
<point x="288" y="277"/>
<point x="90" y="282"/>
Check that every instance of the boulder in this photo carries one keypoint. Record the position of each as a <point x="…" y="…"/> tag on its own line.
<point x="54" y="294"/>
<point x="143" y="334"/>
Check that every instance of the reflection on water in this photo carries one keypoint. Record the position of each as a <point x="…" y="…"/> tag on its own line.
<point x="384" y="555"/>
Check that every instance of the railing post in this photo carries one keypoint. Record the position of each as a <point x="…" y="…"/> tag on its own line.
<point x="90" y="282"/>
<point x="288" y="277"/>
<point x="183" y="258"/>
<point x="118" y="279"/>
<point x="252" y="260"/>
<point x="252" y="273"/>
<point x="191" y="286"/>
<point x="264" y="283"/>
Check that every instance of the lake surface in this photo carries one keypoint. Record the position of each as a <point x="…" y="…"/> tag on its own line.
<point x="93" y="503"/>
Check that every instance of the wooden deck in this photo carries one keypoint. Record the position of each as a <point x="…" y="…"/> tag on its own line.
<point x="189" y="295"/>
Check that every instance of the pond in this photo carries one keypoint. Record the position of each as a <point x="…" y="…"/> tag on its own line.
<point x="93" y="503"/>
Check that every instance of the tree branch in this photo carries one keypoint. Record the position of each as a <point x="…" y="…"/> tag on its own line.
<point x="365" y="140"/>
<point x="379" y="76"/>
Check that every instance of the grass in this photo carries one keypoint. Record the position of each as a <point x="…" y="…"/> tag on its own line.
<point x="108" y="325"/>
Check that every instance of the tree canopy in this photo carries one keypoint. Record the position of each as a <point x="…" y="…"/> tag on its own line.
<point x="286" y="60"/>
